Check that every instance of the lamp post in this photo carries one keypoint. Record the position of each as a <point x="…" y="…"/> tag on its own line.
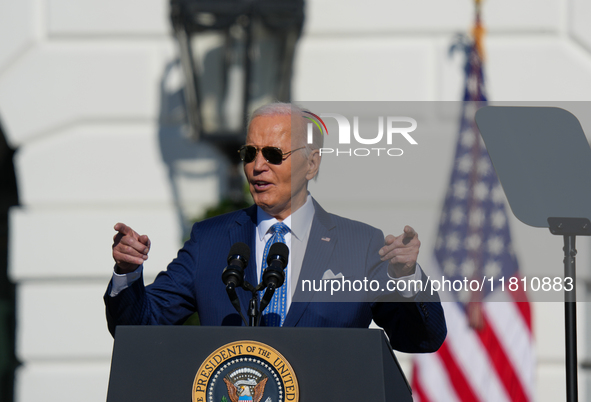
<point x="236" y="55"/>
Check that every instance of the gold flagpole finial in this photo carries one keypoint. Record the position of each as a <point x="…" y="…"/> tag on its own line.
<point x="478" y="31"/>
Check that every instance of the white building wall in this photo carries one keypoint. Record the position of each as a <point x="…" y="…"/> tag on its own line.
<point x="87" y="95"/>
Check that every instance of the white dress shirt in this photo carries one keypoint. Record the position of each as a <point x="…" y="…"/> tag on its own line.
<point x="299" y="224"/>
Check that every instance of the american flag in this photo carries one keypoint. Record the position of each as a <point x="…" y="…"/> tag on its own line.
<point x="488" y="354"/>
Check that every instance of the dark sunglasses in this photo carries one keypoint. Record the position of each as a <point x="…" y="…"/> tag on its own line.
<point x="273" y="155"/>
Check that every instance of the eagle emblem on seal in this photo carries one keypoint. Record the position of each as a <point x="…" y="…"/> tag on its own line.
<point x="246" y="384"/>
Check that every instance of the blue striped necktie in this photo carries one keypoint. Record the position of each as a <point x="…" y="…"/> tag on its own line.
<point x="276" y="311"/>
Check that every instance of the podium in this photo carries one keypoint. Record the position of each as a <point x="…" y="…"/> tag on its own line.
<point x="184" y="364"/>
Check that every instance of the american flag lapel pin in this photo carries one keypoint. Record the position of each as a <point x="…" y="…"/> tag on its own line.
<point x="325" y="239"/>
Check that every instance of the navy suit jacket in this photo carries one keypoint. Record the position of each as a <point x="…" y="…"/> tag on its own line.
<point x="192" y="283"/>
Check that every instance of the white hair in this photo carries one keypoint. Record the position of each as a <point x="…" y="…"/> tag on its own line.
<point x="289" y="109"/>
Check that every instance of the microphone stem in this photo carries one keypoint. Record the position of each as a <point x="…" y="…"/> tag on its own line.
<point x="253" y="312"/>
<point x="231" y="291"/>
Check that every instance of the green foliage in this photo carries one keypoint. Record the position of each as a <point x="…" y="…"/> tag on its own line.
<point x="193" y="320"/>
<point x="228" y="205"/>
<point x="224" y="399"/>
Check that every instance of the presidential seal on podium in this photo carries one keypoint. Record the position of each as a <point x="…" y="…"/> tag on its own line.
<point x="246" y="371"/>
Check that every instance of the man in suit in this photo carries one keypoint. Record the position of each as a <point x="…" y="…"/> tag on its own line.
<point x="278" y="163"/>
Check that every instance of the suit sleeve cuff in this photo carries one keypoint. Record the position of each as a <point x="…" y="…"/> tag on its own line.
<point x="409" y="291"/>
<point x="120" y="282"/>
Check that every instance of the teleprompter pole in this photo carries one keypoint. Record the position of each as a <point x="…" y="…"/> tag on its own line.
<point x="569" y="228"/>
<point x="570" y="319"/>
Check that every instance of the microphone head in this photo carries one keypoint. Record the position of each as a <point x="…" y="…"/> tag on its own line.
<point x="278" y="251"/>
<point x="239" y="250"/>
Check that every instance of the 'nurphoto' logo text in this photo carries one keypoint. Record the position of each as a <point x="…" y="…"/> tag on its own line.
<point x="394" y="125"/>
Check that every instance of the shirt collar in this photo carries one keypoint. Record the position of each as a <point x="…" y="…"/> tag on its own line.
<point x="298" y="222"/>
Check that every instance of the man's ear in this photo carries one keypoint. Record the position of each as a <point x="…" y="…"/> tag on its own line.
<point x="313" y="164"/>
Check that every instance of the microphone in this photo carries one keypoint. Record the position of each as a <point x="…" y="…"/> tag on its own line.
<point x="274" y="276"/>
<point x="233" y="274"/>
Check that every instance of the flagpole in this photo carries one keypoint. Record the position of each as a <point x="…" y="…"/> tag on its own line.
<point x="488" y="354"/>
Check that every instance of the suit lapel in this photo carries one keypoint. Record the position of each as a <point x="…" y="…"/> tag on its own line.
<point x="244" y="231"/>
<point x="321" y="243"/>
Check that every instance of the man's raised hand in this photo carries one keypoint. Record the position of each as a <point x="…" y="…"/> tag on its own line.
<point x="130" y="250"/>
<point x="402" y="252"/>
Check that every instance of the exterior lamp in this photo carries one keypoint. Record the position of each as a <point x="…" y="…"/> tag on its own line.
<point x="236" y="55"/>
